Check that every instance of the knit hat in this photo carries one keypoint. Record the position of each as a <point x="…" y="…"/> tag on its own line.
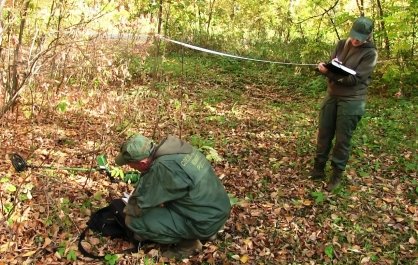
<point x="136" y="148"/>
<point x="361" y="29"/>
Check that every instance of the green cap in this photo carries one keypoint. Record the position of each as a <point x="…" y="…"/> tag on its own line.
<point x="136" y="148"/>
<point x="361" y="29"/>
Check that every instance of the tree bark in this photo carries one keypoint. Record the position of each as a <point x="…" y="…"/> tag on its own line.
<point x="1" y="24"/>
<point x="167" y="19"/>
<point x="360" y="5"/>
<point x="16" y="56"/>
<point x="383" y="28"/>
<point x="414" y="33"/>
<point x="160" y="16"/>
<point x="211" y="6"/>
<point x="14" y="87"/>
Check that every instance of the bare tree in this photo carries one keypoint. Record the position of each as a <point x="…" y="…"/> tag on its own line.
<point x="160" y="16"/>
<point x="12" y="85"/>
<point x="383" y="28"/>
<point x="360" y="5"/>
<point x="211" y="6"/>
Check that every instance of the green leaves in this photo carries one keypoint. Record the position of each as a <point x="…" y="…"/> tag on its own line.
<point x="211" y="154"/>
<point x="232" y="199"/>
<point x="63" y="105"/>
<point x="11" y="187"/>
<point x="111" y="259"/>
<point x="102" y="162"/>
<point x="128" y="177"/>
<point x="8" y="186"/>
<point x="116" y="172"/>
<point x="319" y="196"/>
<point x="329" y="251"/>
<point x="71" y="255"/>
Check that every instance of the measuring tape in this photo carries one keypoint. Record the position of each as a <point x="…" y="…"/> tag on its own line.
<point x="229" y="55"/>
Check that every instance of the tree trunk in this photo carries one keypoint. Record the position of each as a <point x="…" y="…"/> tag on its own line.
<point x="1" y="25"/>
<point x="360" y="5"/>
<point x="414" y="32"/>
<point x="160" y="16"/>
<point x="167" y="18"/>
<point x="383" y="29"/>
<point x="211" y="5"/>
<point x="16" y="57"/>
<point x="14" y="87"/>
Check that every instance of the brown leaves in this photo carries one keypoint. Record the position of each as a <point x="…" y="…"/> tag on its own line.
<point x="267" y="141"/>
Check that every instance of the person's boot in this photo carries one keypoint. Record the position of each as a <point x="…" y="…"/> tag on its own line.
<point x="184" y="249"/>
<point x="335" y="179"/>
<point x="318" y="172"/>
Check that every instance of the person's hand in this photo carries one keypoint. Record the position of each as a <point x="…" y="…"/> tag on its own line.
<point x="322" y="68"/>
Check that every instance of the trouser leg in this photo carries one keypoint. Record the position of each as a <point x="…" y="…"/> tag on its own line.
<point x="160" y="225"/>
<point x="345" y="126"/>
<point x="326" y="131"/>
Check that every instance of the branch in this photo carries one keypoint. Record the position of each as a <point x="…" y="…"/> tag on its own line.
<point x="319" y="15"/>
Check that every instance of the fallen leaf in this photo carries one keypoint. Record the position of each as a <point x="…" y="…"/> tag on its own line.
<point x="94" y="241"/>
<point x="307" y="202"/>
<point x="355" y="249"/>
<point x="256" y="213"/>
<point x="412" y="240"/>
<point x="212" y="248"/>
<point x="244" y="258"/>
<point x="153" y="252"/>
<point x="312" y="237"/>
<point x="334" y="216"/>
<point x="29" y="254"/>
<point x="47" y="242"/>
<point x="6" y="246"/>
<point x="365" y="260"/>
<point x="86" y="245"/>
<point x="289" y="218"/>
<point x="249" y="243"/>
<point x="389" y="200"/>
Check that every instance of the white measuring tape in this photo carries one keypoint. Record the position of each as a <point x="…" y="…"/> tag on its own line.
<point x="228" y="55"/>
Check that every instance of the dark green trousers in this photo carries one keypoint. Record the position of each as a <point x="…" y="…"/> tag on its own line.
<point x="165" y="226"/>
<point x="338" y="118"/>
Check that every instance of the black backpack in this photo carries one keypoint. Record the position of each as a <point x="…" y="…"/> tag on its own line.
<point x="109" y="221"/>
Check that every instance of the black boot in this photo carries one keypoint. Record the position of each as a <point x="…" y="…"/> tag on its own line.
<point x="335" y="179"/>
<point x="318" y="172"/>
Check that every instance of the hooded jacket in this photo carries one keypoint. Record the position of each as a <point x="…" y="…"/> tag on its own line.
<point x="182" y="179"/>
<point x="361" y="59"/>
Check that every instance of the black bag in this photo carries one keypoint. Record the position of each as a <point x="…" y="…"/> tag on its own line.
<point x="109" y="221"/>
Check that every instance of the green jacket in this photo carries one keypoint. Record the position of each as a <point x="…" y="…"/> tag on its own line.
<point x="182" y="180"/>
<point x="363" y="60"/>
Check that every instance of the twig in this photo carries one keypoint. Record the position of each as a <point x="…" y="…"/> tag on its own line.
<point x="319" y="15"/>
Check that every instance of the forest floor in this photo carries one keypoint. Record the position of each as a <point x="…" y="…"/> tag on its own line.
<point x="261" y="121"/>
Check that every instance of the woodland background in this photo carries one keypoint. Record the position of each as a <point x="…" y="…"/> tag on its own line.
<point x="78" y="77"/>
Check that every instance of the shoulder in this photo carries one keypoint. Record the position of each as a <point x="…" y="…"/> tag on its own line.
<point x="341" y="43"/>
<point x="370" y="52"/>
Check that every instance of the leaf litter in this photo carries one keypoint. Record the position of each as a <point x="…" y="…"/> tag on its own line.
<point x="266" y="139"/>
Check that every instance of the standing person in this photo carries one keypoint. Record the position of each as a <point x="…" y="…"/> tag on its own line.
<point x="345" y="102"/>
<point x="178" y="200"/>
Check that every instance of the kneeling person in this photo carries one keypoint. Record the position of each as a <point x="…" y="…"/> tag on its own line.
<point x="178" y="200"/>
